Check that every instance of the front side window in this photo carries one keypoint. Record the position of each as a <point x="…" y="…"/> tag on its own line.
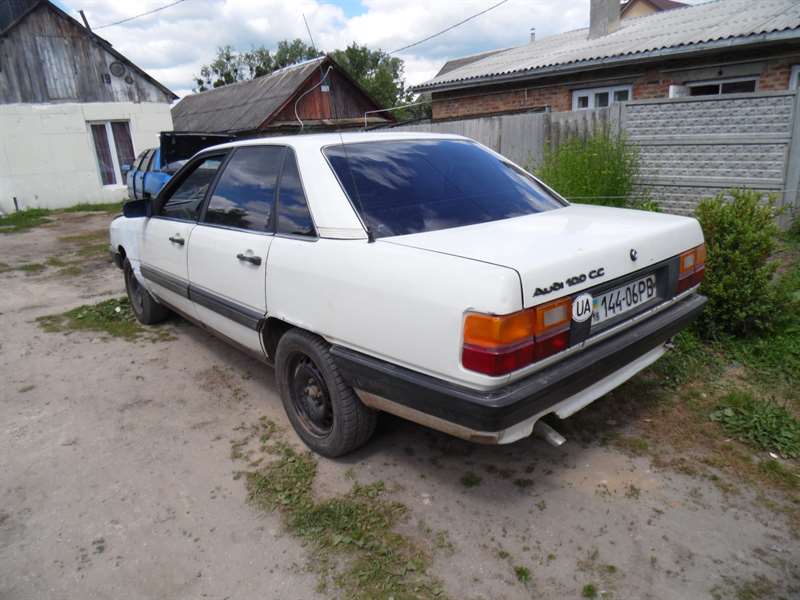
<point x="294" y="217"/>
<point x="245" y="194"/>
<point x="185" y="199"/>
<point x="794" y="82"/>
<point x="411" y="186"/>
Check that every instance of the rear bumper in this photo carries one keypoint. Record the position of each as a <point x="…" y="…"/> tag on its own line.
<point x="503" y="414"/>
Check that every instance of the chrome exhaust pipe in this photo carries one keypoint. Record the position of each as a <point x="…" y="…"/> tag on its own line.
<point x="550" y="435"/>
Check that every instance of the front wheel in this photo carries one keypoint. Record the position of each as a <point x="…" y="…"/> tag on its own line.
<point x="324" y="411"/>
<point x="144" y="306"/>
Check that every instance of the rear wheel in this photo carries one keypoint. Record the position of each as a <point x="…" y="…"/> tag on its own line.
<point x="324" y="411"/>
<point x="144" y="306"/>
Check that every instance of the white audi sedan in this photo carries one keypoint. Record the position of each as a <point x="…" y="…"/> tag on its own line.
<point x="421" y="275"/>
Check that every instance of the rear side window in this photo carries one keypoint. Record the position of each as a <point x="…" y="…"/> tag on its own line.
<point x="245" y="193"/>
<point x="184" y="201"/>
<point x="411" y="186"/>
<point x="293" y="215"/>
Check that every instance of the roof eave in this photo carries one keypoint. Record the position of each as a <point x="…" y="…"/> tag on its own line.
<point x="612" y="61"/>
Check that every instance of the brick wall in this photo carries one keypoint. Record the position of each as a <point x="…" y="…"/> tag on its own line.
<point x="776" y="75"/>
<point x="651" y="85"/>
<point x="558" y="98"/>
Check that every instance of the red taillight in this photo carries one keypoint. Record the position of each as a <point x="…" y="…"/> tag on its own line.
<point x="496" y="345"/>
<point x="692" y="268"/>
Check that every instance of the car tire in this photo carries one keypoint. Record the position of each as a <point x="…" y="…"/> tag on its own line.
<point x="324" y="411"/>
<point x="145" y="308"/>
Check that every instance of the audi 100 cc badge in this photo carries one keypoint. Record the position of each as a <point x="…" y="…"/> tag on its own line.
<point x="582" y="308"/>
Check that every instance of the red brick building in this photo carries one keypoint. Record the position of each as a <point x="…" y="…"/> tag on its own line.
<point x="720" y="47"/>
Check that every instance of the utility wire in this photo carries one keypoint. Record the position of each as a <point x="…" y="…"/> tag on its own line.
<point x="443" y="31"/>
<point x="144" y="14"/>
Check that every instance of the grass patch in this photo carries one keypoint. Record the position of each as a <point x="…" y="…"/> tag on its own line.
<point x="31" y="268"/>
<point x="28" y="218"/>
<point x="689" y="359"/>
<point x="523" y="574"/>
<point x="108" y="207"/>
<point x="113" y="317"/>
<point x="761" y="423"/>
<point x="470" y="480"/>
<point x="589" y="591"/>
<point x="23" y="220"/>
<point x="351" y="536"/>
<point x="780" y="474"/>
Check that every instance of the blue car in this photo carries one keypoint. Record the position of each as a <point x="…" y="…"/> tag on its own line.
<point x="153" y="168"/>
<point x="148" y="174"/>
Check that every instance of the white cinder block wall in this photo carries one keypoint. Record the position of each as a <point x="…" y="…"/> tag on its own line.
<point x="47" y="156"/>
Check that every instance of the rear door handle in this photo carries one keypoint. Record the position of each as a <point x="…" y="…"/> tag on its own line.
<point x="255" y="260"/>
<point x="176" y="239"/>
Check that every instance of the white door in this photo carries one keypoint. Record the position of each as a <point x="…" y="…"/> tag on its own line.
<point x="228" y="248"/>
<point x="165" y="242"/>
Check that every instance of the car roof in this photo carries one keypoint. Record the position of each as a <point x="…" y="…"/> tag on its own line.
<point x="320" y="140"/>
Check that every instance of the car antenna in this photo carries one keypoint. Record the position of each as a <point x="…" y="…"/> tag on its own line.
<point x="362" y="213"/>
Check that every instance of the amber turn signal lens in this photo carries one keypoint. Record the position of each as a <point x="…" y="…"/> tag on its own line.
<point x="692" y="268"/>
<point x="492" y="331"/>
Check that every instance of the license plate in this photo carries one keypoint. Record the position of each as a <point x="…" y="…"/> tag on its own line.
<point x="623" y="299"/>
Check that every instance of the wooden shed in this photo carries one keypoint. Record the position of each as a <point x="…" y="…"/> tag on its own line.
<point x="292" y="99"/>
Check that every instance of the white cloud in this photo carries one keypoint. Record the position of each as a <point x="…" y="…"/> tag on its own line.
<point x="173" y="43"/>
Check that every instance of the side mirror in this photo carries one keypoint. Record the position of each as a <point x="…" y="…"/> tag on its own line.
<point x="126" y="169"/>
<point x="136" y="208"/>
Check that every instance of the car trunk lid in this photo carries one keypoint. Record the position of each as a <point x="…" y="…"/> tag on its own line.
<point x="561" y="252"/>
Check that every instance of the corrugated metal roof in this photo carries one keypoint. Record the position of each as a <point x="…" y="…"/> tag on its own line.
<point x="685" y="27"/>
<point x="241" y="106"/>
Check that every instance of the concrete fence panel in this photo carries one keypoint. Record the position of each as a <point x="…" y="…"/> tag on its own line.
<point x="690" y="148"/>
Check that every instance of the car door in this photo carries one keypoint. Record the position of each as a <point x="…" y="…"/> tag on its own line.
<point x="166" y="233"/>
<point x="228" y="248"/>
<point x="153" y="178"/>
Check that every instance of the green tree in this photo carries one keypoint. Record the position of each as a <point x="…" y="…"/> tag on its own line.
<point x="231" y="66"/>
<point x="378" y="73"/>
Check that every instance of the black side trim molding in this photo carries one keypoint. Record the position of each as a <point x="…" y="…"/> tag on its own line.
<point x="501" y="408"/>
<point x="232" y="310"/>
<point x="235" y="312"/>
<point x="165" y="280"/>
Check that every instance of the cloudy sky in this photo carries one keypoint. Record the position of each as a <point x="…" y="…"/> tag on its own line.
<point x="172" y="44"/>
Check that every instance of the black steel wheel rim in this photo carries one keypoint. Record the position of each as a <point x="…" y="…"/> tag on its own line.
<point x="136" y="293"/>
<point x="310" y="397"/>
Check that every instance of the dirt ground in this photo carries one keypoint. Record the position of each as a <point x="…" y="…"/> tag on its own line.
<point x="116" y="478"/>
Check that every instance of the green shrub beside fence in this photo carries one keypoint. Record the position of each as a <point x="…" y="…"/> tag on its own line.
<point x="741" y="236"/>
<point x="600" y="169"/>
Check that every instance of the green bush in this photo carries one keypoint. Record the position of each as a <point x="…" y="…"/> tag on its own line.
<point x="600" y="169"/>
<point x="741" y="236"/>
<point x="764" y="424"/>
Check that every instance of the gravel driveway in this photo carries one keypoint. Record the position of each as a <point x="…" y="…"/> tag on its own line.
<point x="117" y="478"/>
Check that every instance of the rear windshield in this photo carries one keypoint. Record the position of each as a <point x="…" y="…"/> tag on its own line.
<point x="402" y="187"/>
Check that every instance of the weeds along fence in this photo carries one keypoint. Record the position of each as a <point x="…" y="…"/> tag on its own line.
<point x="689" y="148"/>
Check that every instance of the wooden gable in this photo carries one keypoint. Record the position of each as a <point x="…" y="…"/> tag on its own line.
<point x="47" y="56"/>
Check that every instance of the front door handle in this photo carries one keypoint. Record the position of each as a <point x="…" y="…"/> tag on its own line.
<point x="176" y="239"/>
<point x="255" y="260"/>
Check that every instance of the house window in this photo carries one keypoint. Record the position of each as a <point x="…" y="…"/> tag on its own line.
<point x="600" y="97"/>
<point x="729" y="86"/>
<point x="794" y="82"/>
<point x="114" y="148"/>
